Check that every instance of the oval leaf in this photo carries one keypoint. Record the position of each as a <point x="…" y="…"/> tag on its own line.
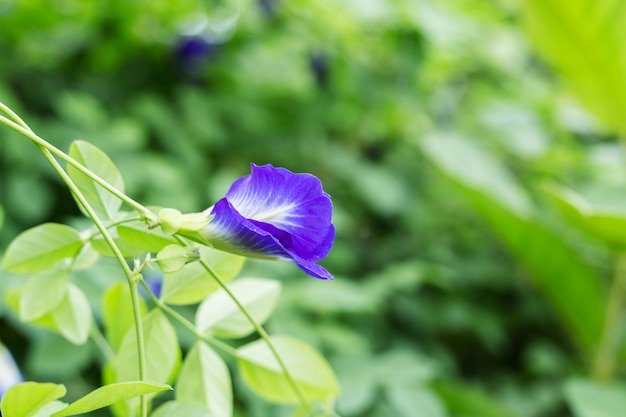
<point x="42" y="293"/>
<point x="104" y="204"/>
<point x="41" y="247"/>
<point x="117" y="313"/>
<point x="193" y="282"/>
<point x="108" y="394"/>
<point x="219" y="314"/>
<point x="72" y="317"/>
<point x="204" y="379"/>
<point x="25" y="399"/>
<point x="262" y="372"/>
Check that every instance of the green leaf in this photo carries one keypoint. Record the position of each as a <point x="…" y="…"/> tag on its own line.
<point x="162" y="351"/>
<point x="204" y="379"/>
<point x="72" y="317"/>
<point x="466" y="400"/>
<point x="144" y="239"/>
<point x="42" y="293"/>
<point x="172" y="258"/>
<point x="41" y="248"/>
<point x="117" y="313"/>
<point x="587" y="399"/>
<point x="109" y="394"/>
<point x="177" y="408"/>
<point x="50" y="408"/>
<point x="193" y="283"/>
<point x="557" y="269"/>
<point x="219" y="314"/>
<point x="414" y="400"/>
<point x="25" y="399"/>
<point x="584" y="40"/>
<point x="104" y="204"/>
<point x="262" y="372"/>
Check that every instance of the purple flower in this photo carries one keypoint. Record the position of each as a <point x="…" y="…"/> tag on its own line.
<point x="275" y="214"/>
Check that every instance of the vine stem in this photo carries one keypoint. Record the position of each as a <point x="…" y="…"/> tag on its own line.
<point x="47" y="150"/>
<point x="604" y="365"/>
<point x="264" y="335"/>
<point x="19" y="126"/>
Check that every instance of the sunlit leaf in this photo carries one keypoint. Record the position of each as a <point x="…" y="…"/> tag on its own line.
<point x="177" y="408"/>
<point x="27" y="398"/>
<point x="41" y="248"/>
<point x="220" y="315"/>
<point x="108" y="394"/>
<point x="204" y="379"/>
<point x="584" y="40"/>
<point x="42" y="293"/>
<point x="104" y="204"/>
<point x="144" y="239"/>
<point x="261" y="371"/>
<point x="193" y="282"/>
<point x="72" y="317"/>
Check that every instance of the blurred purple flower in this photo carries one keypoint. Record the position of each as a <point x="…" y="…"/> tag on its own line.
<point x="275" y="214"/>
<point x="9" y="372"/>
<point x="194" y="52"/>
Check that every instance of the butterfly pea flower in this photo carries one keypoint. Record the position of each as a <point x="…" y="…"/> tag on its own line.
<point x="272" y="213"/>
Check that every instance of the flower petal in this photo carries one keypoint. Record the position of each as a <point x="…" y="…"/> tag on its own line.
<point x="231" y="232"/>
<point x="278" y="200"/>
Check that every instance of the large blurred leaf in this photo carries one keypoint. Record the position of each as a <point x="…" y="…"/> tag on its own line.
<point x="41" y="247"/>
<point x="42" y="293"/>
<point x="117" y="313"/>
<point x="587" y="399"/>
<point x="585" y="41"/>
<point x="104" y="204"/>
<point x="470" y="401"/>
<point x="573" y="289"/>
<point x="262" y="372"/>
<point x="72" y="317"/>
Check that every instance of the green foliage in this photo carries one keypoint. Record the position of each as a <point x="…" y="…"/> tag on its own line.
<point x="588" y="399"/>
<point x="24" y="400"/>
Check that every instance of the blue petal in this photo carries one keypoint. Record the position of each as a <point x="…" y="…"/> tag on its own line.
<point x="231" y="232"/>
<point x="292" y="207"/>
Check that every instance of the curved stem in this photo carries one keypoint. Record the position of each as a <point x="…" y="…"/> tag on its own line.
<point x="23" y="129"/>
<point x="261" y="331"/>
<point x="143" y="409"/>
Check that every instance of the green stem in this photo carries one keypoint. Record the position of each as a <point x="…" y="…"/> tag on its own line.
<point x="23" y="129"/>
<point x="187" y="324"/>
<point x="143" y="409"/>
<point x="261" y="331"/>
<point x="605" y="362"/>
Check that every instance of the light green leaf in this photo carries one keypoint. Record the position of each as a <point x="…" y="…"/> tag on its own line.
<point x="193" y="283"/>
<point x="42" y="293"/>
<point x="584" y="40"/>
<point x="50" y="408"/>
<point x="177" y="408"/>
<point x="262" y="372"/>
<point x="41" y="248"/>
<point x="172" y="258"/>
<point x="72" y="317"/>
<point x="144" y="239"/>
<point x="25" y="399"/>
<point x="109" y="394"/>
<point x="587" y="399"/>
<point x="117" y="313"/>
<point x="219" y="314"/>
<point x="557" y="269"/>
<point x="105" y="204"/>
<point x="204" y="379"/>
<point x="162" y="351"/>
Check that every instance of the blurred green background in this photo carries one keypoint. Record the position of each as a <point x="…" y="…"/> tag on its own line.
<point x="469" y="281"/>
